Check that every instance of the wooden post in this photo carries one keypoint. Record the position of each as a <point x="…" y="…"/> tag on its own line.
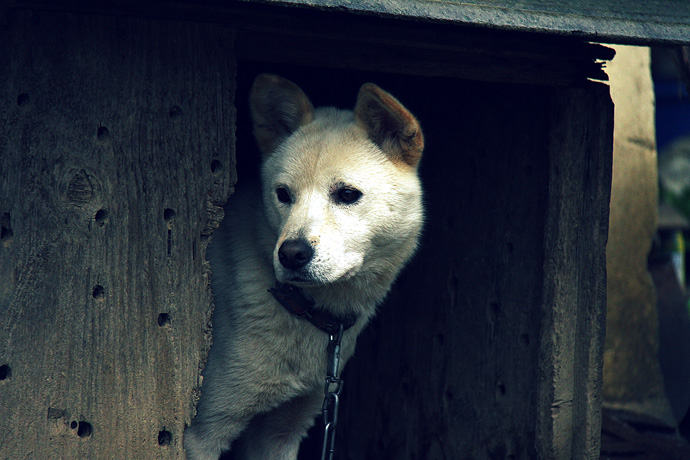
<point x="573" y="302"/>
<point x="116" y="146"/>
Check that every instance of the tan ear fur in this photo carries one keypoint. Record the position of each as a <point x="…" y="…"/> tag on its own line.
<point x="278" y="108"/>
<point x="389" y="125"/>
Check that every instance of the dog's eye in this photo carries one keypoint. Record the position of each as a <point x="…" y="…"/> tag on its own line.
<point x="348" y="195"/>
<point x="283" y="195"/>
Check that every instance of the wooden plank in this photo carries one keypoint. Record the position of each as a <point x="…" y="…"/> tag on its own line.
<point x="273" y="33"/>
<point x="573" y="307"/>
<point x="608" y="21"/>
<point x="292" y="36"/>
<point x="116" y="139"/>
<point x="365" y="45"/>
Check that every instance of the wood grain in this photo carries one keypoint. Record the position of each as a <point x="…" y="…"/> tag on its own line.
<point x="116" y="139"/>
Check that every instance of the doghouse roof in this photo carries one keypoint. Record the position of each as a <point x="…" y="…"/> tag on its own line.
<point x="641" y="22"/>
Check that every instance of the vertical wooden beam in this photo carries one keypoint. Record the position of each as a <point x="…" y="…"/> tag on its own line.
<point x="574" y="293"/>
<point x="116" y="148"/>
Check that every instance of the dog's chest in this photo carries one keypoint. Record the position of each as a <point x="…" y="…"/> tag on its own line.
<point x="283" y="346"/>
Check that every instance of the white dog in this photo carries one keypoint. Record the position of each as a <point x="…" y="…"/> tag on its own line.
<point x="339" y="216"/>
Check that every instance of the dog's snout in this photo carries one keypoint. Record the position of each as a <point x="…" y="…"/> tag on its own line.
<point x="294" y="254"/>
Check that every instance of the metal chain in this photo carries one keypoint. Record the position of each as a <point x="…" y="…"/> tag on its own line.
<point x="332" y="390"/>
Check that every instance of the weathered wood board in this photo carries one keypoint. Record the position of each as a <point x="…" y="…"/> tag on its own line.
<point x="116" y="140"/>
<point x="636" y="22"/>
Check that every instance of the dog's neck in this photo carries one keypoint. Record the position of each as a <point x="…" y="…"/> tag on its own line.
<point x="294" y="301"/>
<point x="354" y="296"/>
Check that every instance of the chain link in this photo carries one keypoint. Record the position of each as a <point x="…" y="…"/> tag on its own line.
<point x="332" y="390"/>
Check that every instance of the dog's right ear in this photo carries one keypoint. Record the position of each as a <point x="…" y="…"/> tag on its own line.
<point x="278" y="108"/>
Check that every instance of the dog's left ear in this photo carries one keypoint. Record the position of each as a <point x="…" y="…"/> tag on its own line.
<point x="278" y="108"/>
<point x="389" y="125"/>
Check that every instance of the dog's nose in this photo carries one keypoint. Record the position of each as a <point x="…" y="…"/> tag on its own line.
<point x="294" y="254"/>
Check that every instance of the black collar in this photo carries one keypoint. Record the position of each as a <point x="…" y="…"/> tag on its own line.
<point x="294" y="301"/>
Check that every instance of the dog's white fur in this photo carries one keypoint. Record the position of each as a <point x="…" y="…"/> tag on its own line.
<point x="265" y="374"/>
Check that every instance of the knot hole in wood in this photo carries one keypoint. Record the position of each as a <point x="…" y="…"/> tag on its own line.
<point x="5" y="372"/>
<point x="175" y="112"/>
<point x="164" y="438"/>
<point x="6" y="232"/>
<point x="84" y="429"/>
<point x="103" y="135"/>
<point x="23" y="101"/>
<point x="98" y="292"/>
<point x="101" y="217"/>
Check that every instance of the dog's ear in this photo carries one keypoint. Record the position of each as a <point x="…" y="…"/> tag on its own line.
<point x="278" y="107"/>
<point x="389" y="125"/>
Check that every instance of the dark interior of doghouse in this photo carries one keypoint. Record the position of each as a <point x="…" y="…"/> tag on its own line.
<point x="450" y="363"/>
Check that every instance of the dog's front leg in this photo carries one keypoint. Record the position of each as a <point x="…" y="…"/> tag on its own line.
<point x="227" y="405"/>
<point x="277" y="434"/>
<point x="231" y="400"/>
<point x="206" y="440"/>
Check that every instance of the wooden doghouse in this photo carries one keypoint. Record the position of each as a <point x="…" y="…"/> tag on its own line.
<point x="117" y="150"/>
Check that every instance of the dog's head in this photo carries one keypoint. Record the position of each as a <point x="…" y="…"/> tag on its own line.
<point x="340" y="188"/>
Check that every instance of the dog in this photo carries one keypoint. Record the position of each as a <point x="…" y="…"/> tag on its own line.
<point x="338" y="216"/>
